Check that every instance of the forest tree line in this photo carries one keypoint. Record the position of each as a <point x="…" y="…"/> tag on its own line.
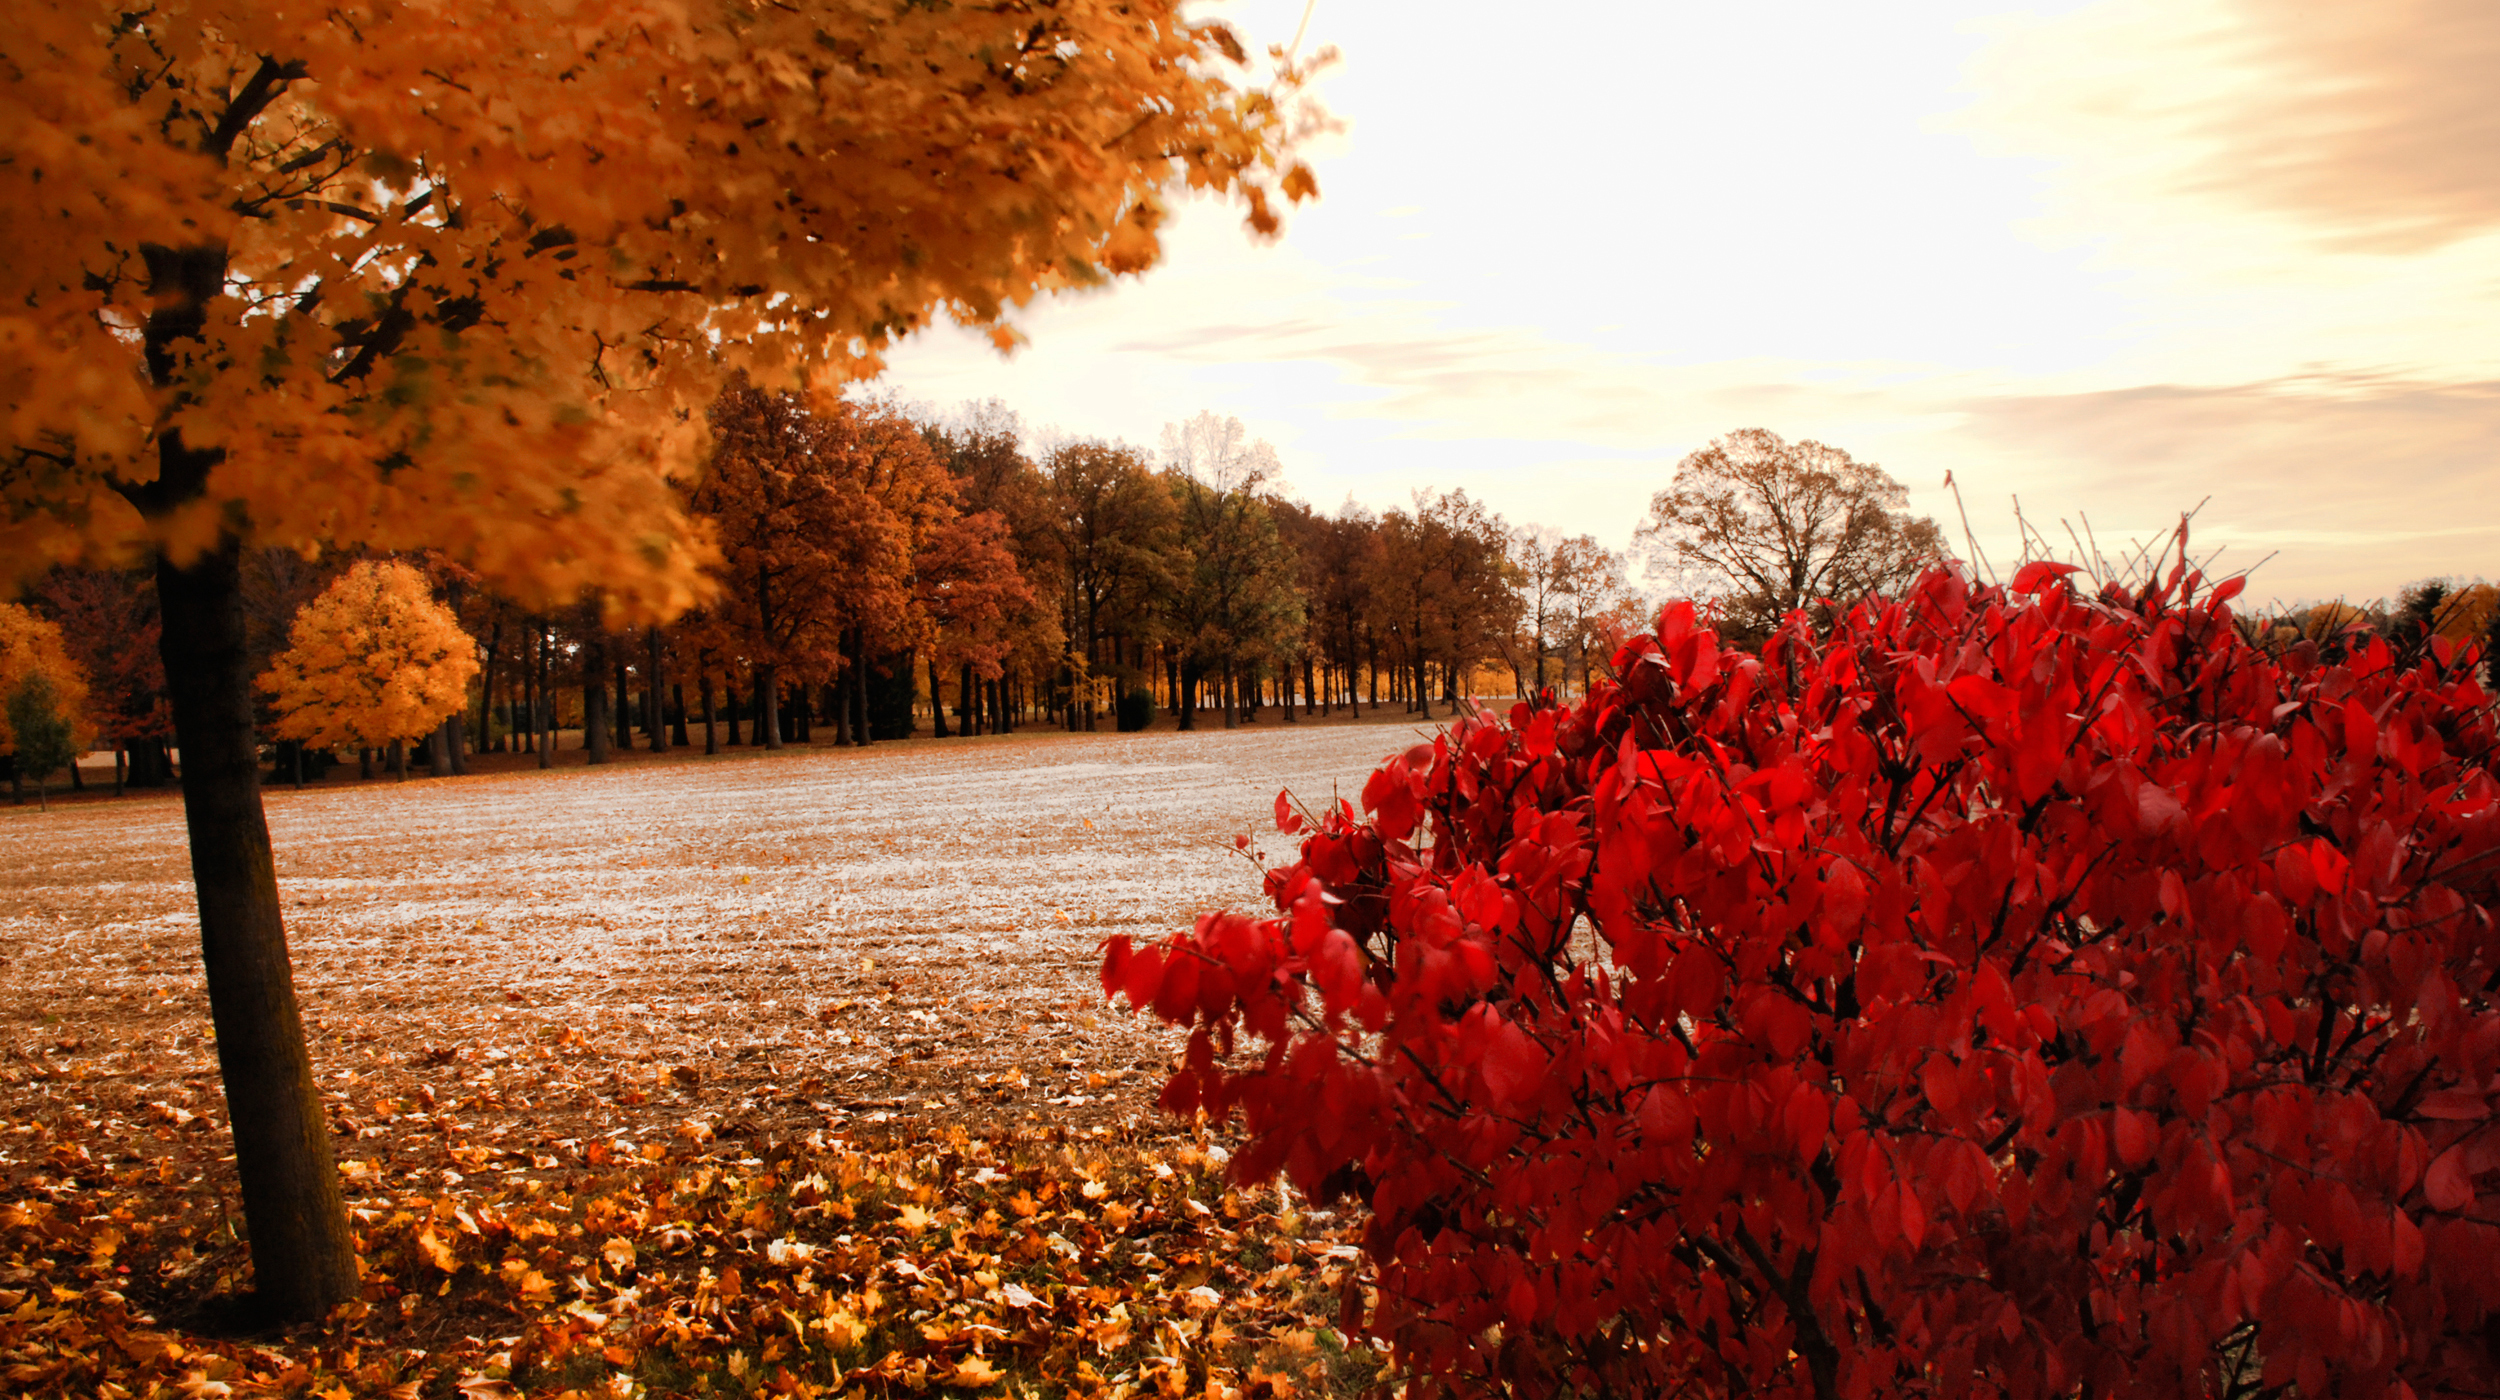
<point x="882" y="567"/>
<point x="885" y="571"/>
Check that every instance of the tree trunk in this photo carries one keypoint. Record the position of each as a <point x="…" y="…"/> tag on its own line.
<point x="838" y="705"/>
<point x="1224" y="692"/>
<point x="438" y="751"/>
<point x="734" y="703"/>
<point x="655" y="710"/>
<point x="677" y="726"/>
<point x="624" y="715"/>
<point x="542" y="706"/>
<point x="860" y="736"/>
<point x="456" y="729"/>
<point x="768" y="707"/>
<point x="711" y="736"/>
<point x="399" y="761"/>
<point x="937" y="698"/>
<point x="121" y="767"/>
<point x="595" y="700"/>
<point x="303" y="1259"/>
<point x="364" y="763"/>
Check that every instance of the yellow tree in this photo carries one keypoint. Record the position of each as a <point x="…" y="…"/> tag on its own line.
<point x="31" y="646"/>
<point x="401" y="274"/>
<point x="373" y="660"/>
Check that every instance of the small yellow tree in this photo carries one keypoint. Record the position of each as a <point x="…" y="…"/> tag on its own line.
<point x="31" y="645"/>
<point x="373" y="659"/>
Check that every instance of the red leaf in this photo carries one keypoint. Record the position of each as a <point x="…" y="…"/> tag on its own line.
<point x="1142" y="976"/>
<point x="1514" y="1065"/>
<point x="2133" y="1133"/>
<point x="2036" y="575"/>
<point x="2446" y="1184"/>
<point x="1287" y="819"/>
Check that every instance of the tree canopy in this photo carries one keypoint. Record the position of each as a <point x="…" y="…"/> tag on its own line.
<point x="373" y="660"/>
<point x="411" y="279"/>
<point x="1775" y="525"/>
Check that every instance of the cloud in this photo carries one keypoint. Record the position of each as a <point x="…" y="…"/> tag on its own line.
<point x="2370" y="126"/>
<point x="2360" y="483"/>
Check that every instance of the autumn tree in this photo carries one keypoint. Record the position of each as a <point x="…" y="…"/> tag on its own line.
<point x="396" y="278"/>
<point x="982" y="445"/>
<point x="31" y="650"/>
<point x="1239" y="600"/>
<point x="39" y="734"/>
<point x="1443" y="589"/>
<point x="1119" y="542"/>
<point x="109" y="628"/>
<point x="373" y="661"/>
<point x="1768" y="526"/>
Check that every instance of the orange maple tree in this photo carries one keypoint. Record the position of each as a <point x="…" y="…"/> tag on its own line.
<point x="373" y="660"/>
<point x="399" y="276"/>
<point x="31" y="646"/>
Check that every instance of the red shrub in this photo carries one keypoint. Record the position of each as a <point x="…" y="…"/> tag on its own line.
<point x="2014" y="993"/>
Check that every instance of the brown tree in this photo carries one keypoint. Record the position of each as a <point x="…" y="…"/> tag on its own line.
<point x="1768" y="526"/>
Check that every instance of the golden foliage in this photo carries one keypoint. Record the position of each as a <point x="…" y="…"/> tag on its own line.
<point x="373" y="659"/>
<point x="466" y="278"/>
<point x="30" y="644"/>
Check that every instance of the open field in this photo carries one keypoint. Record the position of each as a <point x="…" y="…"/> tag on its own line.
<point x="818" y="936"/>
<point x="537" y="997"/>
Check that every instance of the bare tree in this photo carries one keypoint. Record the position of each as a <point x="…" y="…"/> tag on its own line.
<point x="1780" y="525"/>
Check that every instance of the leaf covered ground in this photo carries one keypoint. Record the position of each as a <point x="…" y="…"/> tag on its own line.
<point x="755" y="1074"/>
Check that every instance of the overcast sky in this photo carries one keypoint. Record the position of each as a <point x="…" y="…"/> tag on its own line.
<point x="2112" y="258"/>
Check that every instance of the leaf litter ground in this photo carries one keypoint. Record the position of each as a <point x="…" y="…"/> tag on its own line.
<point x="751" y="1074"/>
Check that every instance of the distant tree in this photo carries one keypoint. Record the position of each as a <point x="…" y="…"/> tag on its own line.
<point x="39" y="729"/>
<point x="1239" y="603"/>
<point x="1444" y="589"/>
<point x="1600" y="610"/>
<point x="31" y="651"/>
<point x="1774" y="526"/>
<point x="1118" y="540"/>
<point x="109" y="626"/>
<point x="372" y="661"/>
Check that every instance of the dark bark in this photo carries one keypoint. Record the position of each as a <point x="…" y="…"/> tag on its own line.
<point x="937" y="699"/>
<point x="1224" y="684"/>
<point x="711" y="735"/>
<point x="677" y="726"/>
<point x="595" y="701"/>
<point x="399" y="761"/>
<point x="768" y="706"/>
<point x="655" y="711"/>
<point x="624" y="705"/>
<point x="542" y="704"/>
<point x="303" y="1258"/>
<point x="837" y="704"/>
<point x="364" y="763"/>
<point x="860" y="737"/>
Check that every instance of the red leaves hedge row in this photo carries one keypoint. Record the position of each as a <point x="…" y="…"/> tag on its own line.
<point x="2014" y="992"/>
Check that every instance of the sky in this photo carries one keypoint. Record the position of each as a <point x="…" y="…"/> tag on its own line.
<point x="2108" y="260"/>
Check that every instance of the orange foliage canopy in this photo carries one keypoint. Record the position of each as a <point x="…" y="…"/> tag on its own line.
<point x="466" y="277"/>
<point x="373" y="659"/>
<point x="30" y="645"/>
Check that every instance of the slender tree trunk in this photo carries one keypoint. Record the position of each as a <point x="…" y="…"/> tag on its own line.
<point x="1224" y="692"/>
<point x="734" y="703"/>
<point x="624" y="716"/>
<point x="654" y="705"/>
<point x="121" y="767"/>
<point x="364" y="763"/>
<point x="860" y="737"/>
<point x="711" y="735"/>
<point x="838" y="705"/>
<point x="543" y="706"/>
<point x="303" y="1258"/>
<point x="677" y="701"/>
<point x="595" y="701"/>
<point x="937" y="698"/>
<point x="399" y="761"/>
<point x="768" y="706"/>
<point x="456" y="729"/>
